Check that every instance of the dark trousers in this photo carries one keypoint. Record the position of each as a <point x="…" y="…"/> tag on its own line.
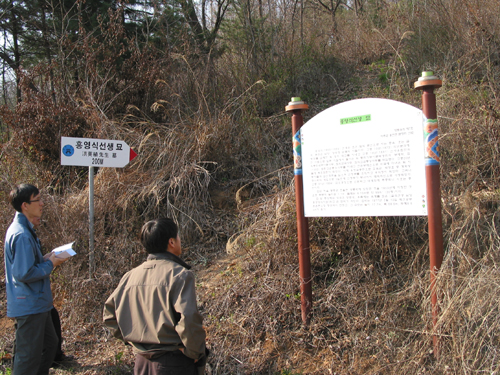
<point x="170" y="363"/>
<point x="56" y="321"/>
<point x="36" y="344"/>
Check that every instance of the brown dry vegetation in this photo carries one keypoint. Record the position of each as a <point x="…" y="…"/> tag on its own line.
<point x="218" y="159"/>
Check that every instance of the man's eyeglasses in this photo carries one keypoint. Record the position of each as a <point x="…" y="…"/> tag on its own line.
<point x="36" y="200"/>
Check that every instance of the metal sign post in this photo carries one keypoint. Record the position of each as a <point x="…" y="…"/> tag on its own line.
<point x="427" y="83"/>
<point x="91" y="222"/>
<point x="92" y="152"/>
<point x="296" y="106"/>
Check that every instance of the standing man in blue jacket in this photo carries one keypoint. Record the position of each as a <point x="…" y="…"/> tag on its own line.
<point x="27" y="278"/>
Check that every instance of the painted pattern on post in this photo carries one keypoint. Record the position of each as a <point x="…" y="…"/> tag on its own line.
<point x="431" y="142"/>
<point x="297" y="154"/>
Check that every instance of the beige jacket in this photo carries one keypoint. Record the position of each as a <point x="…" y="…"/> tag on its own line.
<point x="154" y="308"/>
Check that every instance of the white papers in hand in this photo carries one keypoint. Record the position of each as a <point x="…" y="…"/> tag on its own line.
<point x="64" y="251"/>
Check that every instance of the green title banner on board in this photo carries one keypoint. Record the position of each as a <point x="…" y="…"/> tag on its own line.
<point x="352" y="120"/>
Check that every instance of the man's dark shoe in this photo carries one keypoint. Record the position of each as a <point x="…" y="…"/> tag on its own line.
<point x="62" y="361"/>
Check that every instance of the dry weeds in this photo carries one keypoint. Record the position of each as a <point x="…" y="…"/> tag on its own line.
<point x="225" y="175"/>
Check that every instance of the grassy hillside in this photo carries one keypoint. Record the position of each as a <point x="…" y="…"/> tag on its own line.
<point x="218" y="159"/>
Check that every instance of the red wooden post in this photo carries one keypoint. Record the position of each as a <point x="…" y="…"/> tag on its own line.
<point x="427" y="83"/>
<point x="296" y="106"/>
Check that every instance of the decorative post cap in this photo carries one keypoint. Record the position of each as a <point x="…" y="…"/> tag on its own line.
<point x="296" y="103"/>
<point x="428" y="79"/>
<point x="296" y="100"/>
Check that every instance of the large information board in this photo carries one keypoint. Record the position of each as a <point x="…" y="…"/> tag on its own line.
<point x="364" y="157"/>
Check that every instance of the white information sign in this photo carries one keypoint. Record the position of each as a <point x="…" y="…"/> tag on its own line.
<point x="91" y="152"/>
<point x="364" y="157"/>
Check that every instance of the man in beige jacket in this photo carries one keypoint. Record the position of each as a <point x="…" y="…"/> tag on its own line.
<point x="154" y="307"/>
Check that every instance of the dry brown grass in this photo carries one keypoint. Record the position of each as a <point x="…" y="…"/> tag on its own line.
<point x="225" y="175"/>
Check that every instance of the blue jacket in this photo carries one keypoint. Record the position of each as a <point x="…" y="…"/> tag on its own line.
<point x="27" y="275"/>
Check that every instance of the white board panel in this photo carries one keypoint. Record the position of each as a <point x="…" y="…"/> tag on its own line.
<point x="364" y="157"/>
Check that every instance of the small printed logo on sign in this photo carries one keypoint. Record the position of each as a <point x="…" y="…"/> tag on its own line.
<point x="68" y="150"/>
